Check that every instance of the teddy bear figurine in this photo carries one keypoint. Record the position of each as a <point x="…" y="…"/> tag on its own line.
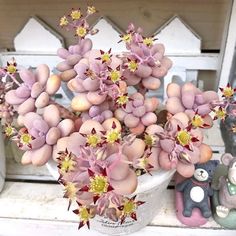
<point x="195" y="194"/>
<point x="224" y="199"/>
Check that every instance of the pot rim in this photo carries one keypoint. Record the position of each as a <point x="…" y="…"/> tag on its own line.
<point x="146" y="182"/>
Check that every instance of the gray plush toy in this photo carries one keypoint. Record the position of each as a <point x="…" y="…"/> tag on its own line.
<point x="196" y="190"/>
<point x="227" y="187"/>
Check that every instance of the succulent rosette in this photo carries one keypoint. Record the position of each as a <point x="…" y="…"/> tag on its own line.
<point x="77" y="22"/>
<point x="71" y="57"/>
<point x="99" y="76"/>
<point x="98" y="112"/>
<point x="227" y="105"/>
<point x="145" y="60"/>
<point x="7" y="111"/>
<point x="35" y="90"/>
<point x="181" y="145"/>
<point x="138" y="112"/>
<point x="40" y="133"/>
<point x="191" y="100"/>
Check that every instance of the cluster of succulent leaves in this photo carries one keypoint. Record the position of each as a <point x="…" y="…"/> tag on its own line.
<point x="227" y="105"/>
<point x="7" y="74"/>
<point x="87" y="176"/>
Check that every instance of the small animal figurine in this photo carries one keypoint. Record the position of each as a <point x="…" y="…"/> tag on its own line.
<point x="227" y="187"/>
<point x="196" y="191"/>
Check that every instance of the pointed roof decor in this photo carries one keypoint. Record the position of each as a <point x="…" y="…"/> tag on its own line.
<point x="178" y="37"/>
<point x="36" y="36"/>
<point x="107" y="37"/>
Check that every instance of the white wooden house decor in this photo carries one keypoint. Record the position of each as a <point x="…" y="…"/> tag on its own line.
<point x="107" y="37"/>
<point x="228" y="49"/>
<point x="183" y="46"/>
<point x="36" y="36"/>
<point x="178" y="37"/>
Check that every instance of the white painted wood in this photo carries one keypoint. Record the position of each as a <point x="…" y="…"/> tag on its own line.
<point x="204" y="61"/>
<point x="213" y="138"/>
<point x="180" y="40"/>
<point x="16" y="227"/>
<point x="45" y="202"/>
<point x="178" y="37"/>
<point x="38" y="37"/>
<point x="187" y="66"/>
<point x="40" y="208"/>
<point x="107" y="37"/>
<point x="227" y="48"/>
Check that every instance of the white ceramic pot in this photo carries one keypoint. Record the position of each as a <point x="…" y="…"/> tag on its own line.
<point x="151" y="190"/>
<point x="2" y="160"/>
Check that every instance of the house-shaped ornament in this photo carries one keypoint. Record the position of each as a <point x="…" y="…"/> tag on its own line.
<point x="36" y="36"/>
<point x="107" y="37"/>
<point x="181" y="42"/>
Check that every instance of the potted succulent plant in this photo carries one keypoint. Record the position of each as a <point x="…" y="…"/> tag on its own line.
<point x="113" y="152"/>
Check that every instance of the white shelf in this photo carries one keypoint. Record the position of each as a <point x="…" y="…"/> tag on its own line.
<point x="39" y="209"/>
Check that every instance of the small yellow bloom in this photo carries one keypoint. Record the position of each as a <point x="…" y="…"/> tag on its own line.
<point x="106" y="57"/>
<point x="127" y="38"/>
<point x="70" y="190"/>
<point x="9" y="130"/>
<point x="197" y="121"/>
<point x="64" y="21"/>
<point x="98" y="184"/>
<point x="81" y="31"/>
<point x="113" y="136"/>
<point x="184" y="137"/>
<point x="228" y="92"/>
<point x="91" y="10"/>
<point x="67" y="164"/>
<point x="25" y="139"/>
<point x="11" y="68"/>
<point x="93" y="140"/>
<point x="84" y="214"/>
<point x="75" y="14"/>
<point x="122" y="100"/>
<point x="129" y="207"/>
<point x="115" y="76"/>
<point x="148" y="41"/>
<point x="221" y="113"/>
<point x="132" y="66"/>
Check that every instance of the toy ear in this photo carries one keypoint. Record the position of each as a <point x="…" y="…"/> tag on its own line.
<point x="226" y="159"/>
<point x="215" y="163"/>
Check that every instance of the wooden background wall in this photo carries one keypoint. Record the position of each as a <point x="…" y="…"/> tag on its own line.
<point x="206" y="17"/>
